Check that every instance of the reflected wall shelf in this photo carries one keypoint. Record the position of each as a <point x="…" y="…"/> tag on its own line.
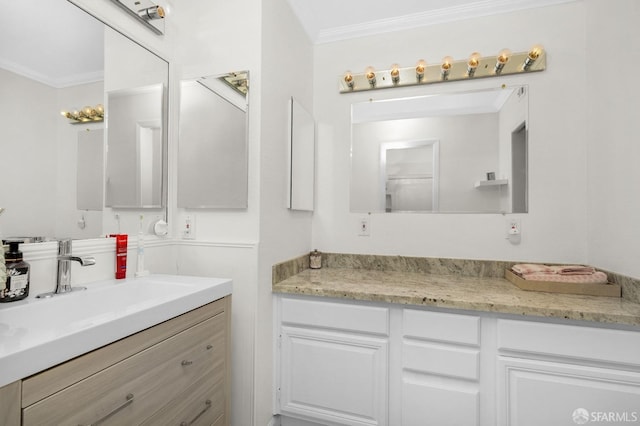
<point x="491" y="183"/>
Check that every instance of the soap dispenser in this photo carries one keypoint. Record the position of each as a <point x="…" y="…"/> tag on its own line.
<point x="17" y="284"/>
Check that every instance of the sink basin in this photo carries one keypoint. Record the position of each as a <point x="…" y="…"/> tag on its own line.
<point x="39" y="333"/>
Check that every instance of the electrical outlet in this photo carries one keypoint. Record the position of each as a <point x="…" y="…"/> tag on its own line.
<point x="189" y="229"/>
<point x="514" y="227"/>
<point x="364" y="227"/>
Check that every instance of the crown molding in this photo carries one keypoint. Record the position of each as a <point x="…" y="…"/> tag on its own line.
<point x="431" y="17"/>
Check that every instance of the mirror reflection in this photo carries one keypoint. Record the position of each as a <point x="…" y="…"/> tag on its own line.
<point x="447" y="153"/>
<point x="59" y="165"/>
<point x="212" y="149"/>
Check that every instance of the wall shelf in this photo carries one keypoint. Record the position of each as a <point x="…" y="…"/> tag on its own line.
<point x="491" y="183"/>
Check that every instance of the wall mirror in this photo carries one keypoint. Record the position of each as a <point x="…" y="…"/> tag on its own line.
<point x="69" y="60"/>
<point x="301" y="158"/>
<point x="212" y="149"/>
<point x="447" y="153"/>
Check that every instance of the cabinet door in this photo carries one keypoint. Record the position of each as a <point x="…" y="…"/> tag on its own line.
<point x="533" y="393"/>
<point x="333" y="376"/>
<point x="425" y="404"/>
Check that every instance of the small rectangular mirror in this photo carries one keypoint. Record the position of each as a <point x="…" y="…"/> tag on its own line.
<point x="302" y="147"/>
<point x="212" y="150"/>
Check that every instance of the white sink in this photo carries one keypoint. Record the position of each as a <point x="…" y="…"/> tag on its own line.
<point x="39" y="333"/>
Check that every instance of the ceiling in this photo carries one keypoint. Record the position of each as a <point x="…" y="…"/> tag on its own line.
<point x="54" y="42"/>
<point x="51" y="41"/>
<point x="332" y="20"/>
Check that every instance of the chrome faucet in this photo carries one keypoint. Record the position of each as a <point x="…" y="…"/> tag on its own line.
<point x="63" y="280"/>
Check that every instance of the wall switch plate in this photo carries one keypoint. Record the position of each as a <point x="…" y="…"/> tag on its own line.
<point x="364" y="227"/>
<point x="189" y="228"/>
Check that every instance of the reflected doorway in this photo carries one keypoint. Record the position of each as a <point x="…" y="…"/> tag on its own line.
<point x="409" y="178"/>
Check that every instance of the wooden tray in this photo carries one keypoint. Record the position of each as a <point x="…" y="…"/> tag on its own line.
<point x="591" y="289"/>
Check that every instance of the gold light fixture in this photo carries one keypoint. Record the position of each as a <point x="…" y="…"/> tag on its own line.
<point x="501" y="61"/>
<point x="238" y="81"/>
<point x="472" y="64"/>
<point x="85" y="115"/>
<point x="504" y="63"/>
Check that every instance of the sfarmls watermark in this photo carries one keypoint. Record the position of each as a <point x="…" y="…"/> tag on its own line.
<point x="582" y="416"/>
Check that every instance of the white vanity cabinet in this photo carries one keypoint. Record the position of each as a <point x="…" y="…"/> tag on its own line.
<point x="177" y="371"/>
<point x="363" y="363"/>
<point x="564" y="374"/>
<point x="333" y="361"/>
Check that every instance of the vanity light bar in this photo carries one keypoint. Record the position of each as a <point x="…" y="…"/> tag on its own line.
<point x="85" y="115"/>
<point x="476" y="66"/>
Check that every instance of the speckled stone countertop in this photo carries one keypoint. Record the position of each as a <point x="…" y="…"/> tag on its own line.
<point x="487" y="293"/>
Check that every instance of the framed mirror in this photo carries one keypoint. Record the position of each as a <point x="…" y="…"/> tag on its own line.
<point x="69" y="60"/>
<point x="212" y="149"/>
<point x="448" y="153"/>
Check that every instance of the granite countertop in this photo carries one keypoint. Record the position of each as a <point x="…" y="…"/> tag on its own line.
<point x="487" y="294"/>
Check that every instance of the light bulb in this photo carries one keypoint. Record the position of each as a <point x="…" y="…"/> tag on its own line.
<point x="445" y="68"/>
<point x="348" y="79"/>
<point x="501" y="60"/>
<point x="532" y="56"/>
<point x="371" y="76"/>
<point x="472" y="63"/>
<point x="420" y="67"/>
<point x="395" y="73"/>
<point x="151" y="13"/>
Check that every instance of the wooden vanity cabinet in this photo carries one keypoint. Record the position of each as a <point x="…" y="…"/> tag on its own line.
<point x="174" y="373"/>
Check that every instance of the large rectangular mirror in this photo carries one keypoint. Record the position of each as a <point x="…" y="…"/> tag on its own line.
<point x="68" y="61"/>
<point x="447" y="153"/>
<point x="212" y="150"/>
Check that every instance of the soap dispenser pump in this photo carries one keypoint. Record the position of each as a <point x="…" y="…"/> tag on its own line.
<point x="17" y="284"/>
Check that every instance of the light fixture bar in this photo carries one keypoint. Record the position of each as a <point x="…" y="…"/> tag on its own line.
<point x="516" y="63"/>
<point x="85" y="115"/>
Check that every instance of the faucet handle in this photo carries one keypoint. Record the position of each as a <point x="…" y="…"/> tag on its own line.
<point x="87" y="260"/>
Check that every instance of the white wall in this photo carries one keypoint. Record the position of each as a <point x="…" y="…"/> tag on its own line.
<point x="287" y="67"/>
<point x="554" y="228"/>
<point x="28" y="120"/>
<point x="204" y="37"/>
<point x="614" y="151"/>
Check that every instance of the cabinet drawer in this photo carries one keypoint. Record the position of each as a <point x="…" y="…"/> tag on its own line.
<point x="66" y="374"/>
<point x="587" y="343"/>
<point x="442" y="327"/>
<point x="441" y="360"/>
<point x="202" y="404"/>
<point x="340" y="316"/>
<point x="130" y="391"/>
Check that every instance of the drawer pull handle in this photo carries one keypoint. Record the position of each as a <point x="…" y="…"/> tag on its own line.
<point x="129" y="400"/>
<point x="185" y="362"/>
<point x="207" y="404"/>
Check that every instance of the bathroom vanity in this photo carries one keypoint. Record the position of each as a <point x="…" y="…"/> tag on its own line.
<point x="174" y="371"/>
<point x="367" y="347"/>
